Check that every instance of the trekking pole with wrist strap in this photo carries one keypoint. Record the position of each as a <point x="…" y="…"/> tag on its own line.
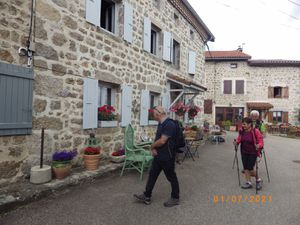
<point x="237" y="162"/>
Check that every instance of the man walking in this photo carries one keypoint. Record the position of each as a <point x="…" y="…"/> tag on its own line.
<point x="163" y="150"/>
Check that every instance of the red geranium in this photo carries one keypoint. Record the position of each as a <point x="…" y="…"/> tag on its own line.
<point x="106" y="113"/>
<point x="92" y="150"/>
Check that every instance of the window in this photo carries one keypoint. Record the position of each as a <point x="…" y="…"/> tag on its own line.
<point x="108" y="15"/>
<point x="192" y="34"/>
<point x="154" y="99"/>
<point x="155" y="33"/>
<point x="233" y="65"/>
<point x="107" y="94"/>
<point x="176" y="53"/>
<point x="239" y="86"/>
<point x="234" y="86"/>
<point x="227" y="87"/>
<point x="277" y="92"/>
<point x="277" y="117"/>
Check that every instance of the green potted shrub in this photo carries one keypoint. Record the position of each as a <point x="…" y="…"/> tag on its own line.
<point x="226" y="124"/>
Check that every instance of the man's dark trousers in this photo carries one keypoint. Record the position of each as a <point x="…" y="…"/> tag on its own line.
<point x="168" y="167"/>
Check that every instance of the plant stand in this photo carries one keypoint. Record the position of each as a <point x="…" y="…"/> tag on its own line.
<point x="91" y="162"/>
<point x="40" y="175"/>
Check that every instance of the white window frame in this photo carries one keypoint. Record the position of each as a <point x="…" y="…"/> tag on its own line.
<point x="103" y="92"/>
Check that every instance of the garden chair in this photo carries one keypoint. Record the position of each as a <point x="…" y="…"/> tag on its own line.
<point x="136" y="155"/>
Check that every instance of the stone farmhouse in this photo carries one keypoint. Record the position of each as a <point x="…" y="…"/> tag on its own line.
<point x="237" y="84"/>
<point x="61" y="60"/>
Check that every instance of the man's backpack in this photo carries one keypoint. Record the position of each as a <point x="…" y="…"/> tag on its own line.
<point x="179" y="137"/>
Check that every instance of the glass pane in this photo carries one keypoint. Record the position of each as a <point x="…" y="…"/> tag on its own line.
<point x="108" y="96"/>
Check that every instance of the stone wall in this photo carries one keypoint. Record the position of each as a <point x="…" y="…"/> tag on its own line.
<point x="68" y="49"/>
<point x="257" y="81"/>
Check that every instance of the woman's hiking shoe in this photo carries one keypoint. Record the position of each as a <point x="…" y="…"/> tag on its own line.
<point x="171" y="202"/>
<point x="247" y="185"/>
<point x="143" y="198"/>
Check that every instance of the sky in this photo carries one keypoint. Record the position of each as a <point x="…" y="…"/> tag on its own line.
<point x="266" y="29"/>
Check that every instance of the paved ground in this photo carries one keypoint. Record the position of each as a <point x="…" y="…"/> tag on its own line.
<point x="109" y="201"/>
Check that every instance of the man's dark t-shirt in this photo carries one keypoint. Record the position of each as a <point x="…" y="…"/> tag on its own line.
<point x="167" y="151"/>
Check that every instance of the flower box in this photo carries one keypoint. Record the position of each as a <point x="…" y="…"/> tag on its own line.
<point x="113" y="123"/>
<point x="152" y="122"/>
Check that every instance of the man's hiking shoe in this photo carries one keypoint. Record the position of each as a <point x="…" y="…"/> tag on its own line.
<point x="259" y="184"/>
<point x="171" y="202"/>
<point x="247" y="185"/>
<point x="143" y="198"/>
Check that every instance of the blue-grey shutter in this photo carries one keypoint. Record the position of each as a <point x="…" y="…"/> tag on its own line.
<point x="93" y="11"/>
<point x="90" y="103"/>
<point x="167" y="46"/>
<point x="145" y="104"/>
<point x="192" y="62"/>
<point x="147" y="34"/>
<point x="16" y="88"/>
<point x="128" y="22"/>
<point x="126" y="105"/>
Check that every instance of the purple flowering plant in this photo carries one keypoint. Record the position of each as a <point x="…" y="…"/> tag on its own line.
<point x="64" y="155"/>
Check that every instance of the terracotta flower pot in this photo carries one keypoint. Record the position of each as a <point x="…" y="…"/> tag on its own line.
<point x="91" y="162"/>
<point x="61" y="169"/>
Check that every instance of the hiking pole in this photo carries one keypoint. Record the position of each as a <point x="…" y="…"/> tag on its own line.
<point x="256" y="176"/>
<point x="263" y="151"/>
<point x="234" y="161"/>
<point x="237" y="163"/>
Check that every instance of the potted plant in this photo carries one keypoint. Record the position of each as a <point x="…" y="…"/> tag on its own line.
<point x="193" y="111"/>
<point x="107" y="116"/>
<point x="91" y="154"/>
<point x="61" y="163"/>
<point x="91" y="157"/>
<point x="226" y="124"/>
<point x="151" y="120"/>
<point x="118" y="156"/>
<point x="179" y="109"/>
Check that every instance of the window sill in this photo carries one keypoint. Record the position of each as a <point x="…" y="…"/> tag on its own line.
<point x="108" y="123"/>
<point x="152" y="122"/>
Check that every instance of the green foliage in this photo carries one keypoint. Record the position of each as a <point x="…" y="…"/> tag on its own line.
<point x="194" y="128"/>
<point x="227" y="123"/>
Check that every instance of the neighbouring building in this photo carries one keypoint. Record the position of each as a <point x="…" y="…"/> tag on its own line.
<point x="238" y="84"/>
<point x="84" y="54"/>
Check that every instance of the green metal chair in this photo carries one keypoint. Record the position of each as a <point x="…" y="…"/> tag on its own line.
<point x="136" y="155"/>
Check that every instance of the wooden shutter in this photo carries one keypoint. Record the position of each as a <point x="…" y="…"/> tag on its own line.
<point x="192" y="62"/>
<point x="270" y="117"/>
<point x="145" y="104"/>
<point x="285" y="117"/>
<point x="128" y="22"/>
<point x="208" y="104"/>
<point x="92" y="11"/>
<point x="90" y="103"/>
<point x="126" y="105"/>
<point x="239" y="86"/>
<point x="16" y="89"/>
<point x="270" y="92"/>
<point x="285" y="92"/>
<point x="165" y="101"/>
<point x="227" y="86"/>
<point x="167" y="46"/>
<point x="147" y="34"/>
